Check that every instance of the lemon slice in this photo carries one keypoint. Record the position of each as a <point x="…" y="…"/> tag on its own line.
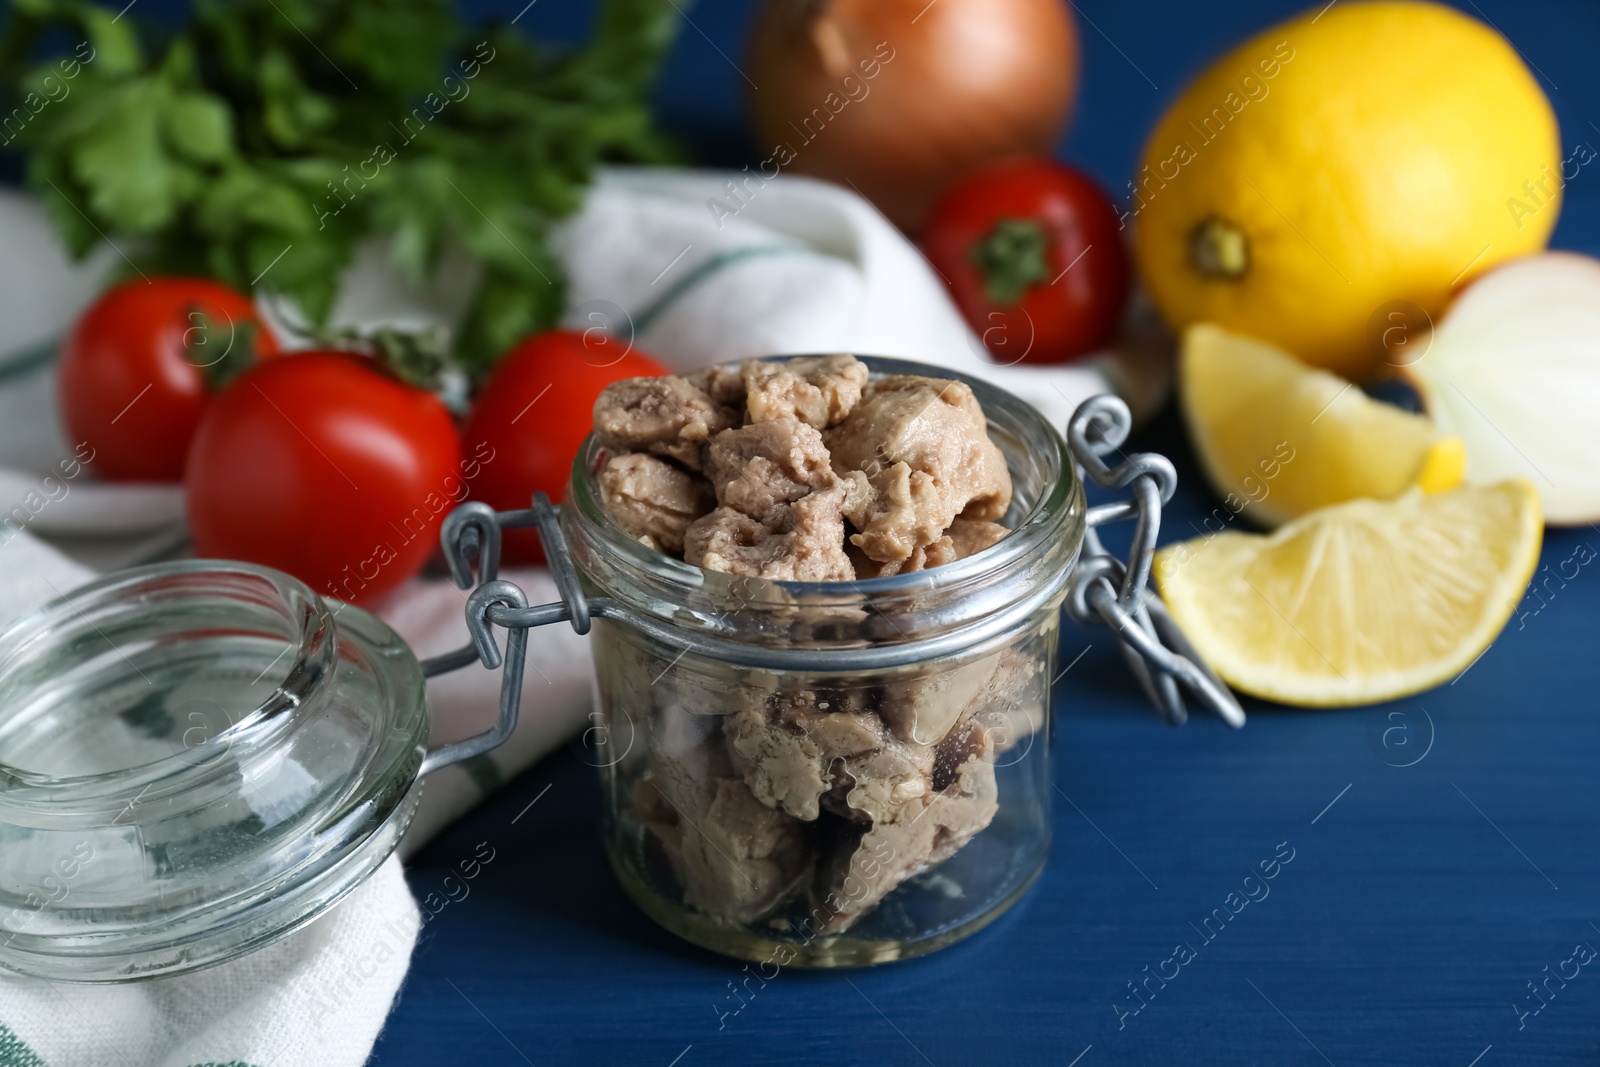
<point x="1365" y="601"/>
<point x="1278" y="439"/>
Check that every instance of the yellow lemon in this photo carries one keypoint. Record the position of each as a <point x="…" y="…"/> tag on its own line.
<point x="1344" y="168"/>
<point x="1364" y="601"/>
<point x="1277" y="438"/>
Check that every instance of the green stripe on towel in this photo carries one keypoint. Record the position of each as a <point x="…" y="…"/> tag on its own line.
<point x="703" y="270"/>
<point x="20" y="364"/>
<point x="14" y="1052"/>
<point x="484" y="772"/>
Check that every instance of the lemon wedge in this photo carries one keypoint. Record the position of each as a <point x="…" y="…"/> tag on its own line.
<point x="1278" y="439"/>
<point x="1364" y="601"/>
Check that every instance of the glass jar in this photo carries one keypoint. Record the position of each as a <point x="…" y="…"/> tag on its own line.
<point x="834" y="774"/>
<point x="196" y="759"/>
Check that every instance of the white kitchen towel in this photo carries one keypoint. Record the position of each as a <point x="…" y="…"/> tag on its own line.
<point x="693" y="270"/>
<point x="318" y="996"/>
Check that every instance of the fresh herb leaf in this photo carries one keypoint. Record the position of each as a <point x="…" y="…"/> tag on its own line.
<point x="277" y="136"/>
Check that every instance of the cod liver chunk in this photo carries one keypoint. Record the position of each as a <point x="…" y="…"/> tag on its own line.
<point x="734" y="856"/>
<point x="666" y="416"/>
<point x="923" y="445"/>
<point x="653" y="500"/>
<point x="797" y="750"/>
<point x="819" y="391"/>
<point x="806" y="544"/>
<point x="761" y="469"/>
<point x="918" y="834"/>
<point x="722" y="383"/>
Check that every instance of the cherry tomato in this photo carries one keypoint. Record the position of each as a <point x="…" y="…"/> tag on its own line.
<point x="321" y="465"/>
<point x="1034" y="258"/>
<point x="532" y="415"/>
<point x="135" y="370"/>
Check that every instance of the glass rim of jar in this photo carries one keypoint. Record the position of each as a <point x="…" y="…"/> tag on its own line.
<point x="310" y="635"/>
<point x="1045" y="539"/>
<point x="120" y="631"/>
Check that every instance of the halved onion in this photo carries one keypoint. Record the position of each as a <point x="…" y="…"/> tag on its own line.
<point x="1514" y="371"/>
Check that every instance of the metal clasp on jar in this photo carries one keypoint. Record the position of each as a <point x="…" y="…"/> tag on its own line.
<point x="1106" y="591"/>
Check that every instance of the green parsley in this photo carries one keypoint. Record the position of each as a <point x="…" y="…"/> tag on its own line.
<point x="268" y="138"/>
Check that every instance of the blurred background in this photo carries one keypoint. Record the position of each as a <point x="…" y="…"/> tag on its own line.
<point x="1137" y="58"/>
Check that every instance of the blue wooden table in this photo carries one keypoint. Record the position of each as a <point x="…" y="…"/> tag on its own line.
<point x="1437" y="869"/>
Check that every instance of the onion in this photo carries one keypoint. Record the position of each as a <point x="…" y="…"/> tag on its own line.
<point x="1514" y="371"/>
<point x="900" y="98"/>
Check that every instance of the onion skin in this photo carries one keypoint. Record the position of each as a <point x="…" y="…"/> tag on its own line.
<point x="921" y="94"/>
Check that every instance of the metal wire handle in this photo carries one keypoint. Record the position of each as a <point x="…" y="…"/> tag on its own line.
<point x="1105" y="591"/>
<point x="471" y="539"/>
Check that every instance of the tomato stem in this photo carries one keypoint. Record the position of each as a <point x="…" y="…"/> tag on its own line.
<point x="1011" y="258"/>
<point x="221" y="356"/>
<point x="414" y="358"/>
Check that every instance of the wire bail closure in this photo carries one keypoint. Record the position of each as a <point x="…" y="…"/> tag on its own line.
<point x="471" y="539"/>
<point x="1105" y="591"/>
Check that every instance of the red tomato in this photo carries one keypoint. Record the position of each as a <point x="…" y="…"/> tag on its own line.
<point x="321" y="465"/>
<point x="1034" y="258"/>
<point x="134" y="371"/>
<point x="534" y="412"/>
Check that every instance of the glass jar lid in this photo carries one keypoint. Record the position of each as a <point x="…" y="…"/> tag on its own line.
<point x="195" y="759"/>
